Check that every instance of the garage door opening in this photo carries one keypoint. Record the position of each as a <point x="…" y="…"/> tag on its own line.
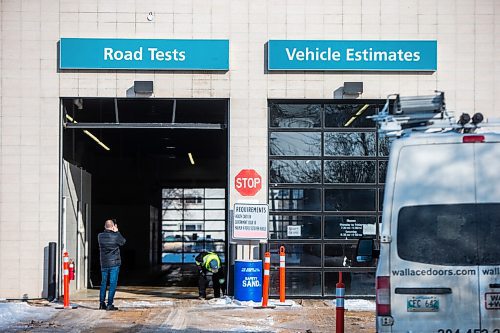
<point x="157" y="166"/>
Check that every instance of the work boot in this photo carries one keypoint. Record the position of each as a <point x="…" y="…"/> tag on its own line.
<point x="102" y="306"/>
<point x="111" y="307"/>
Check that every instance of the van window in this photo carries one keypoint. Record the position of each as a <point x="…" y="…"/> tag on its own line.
<point x="458" y="234"/>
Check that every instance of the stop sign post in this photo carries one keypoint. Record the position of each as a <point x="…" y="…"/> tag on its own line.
<point x="248" y="182"/>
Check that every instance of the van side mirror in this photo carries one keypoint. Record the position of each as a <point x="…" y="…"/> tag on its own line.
<point x="365" y="251"/>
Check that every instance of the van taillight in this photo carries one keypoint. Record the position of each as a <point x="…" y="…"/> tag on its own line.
<point x="383" y="296"/>
<point x="473" y="138"/>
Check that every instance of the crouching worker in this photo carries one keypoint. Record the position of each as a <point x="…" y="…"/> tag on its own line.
<point x="210" y="269"/>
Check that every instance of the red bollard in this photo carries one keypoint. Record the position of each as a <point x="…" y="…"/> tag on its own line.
<point x="339" y="304"/>
<point x="71" y="270"/>
<point x="282" y="274"/>
<point x="66" y="278"/>
<point x="265" y="286"/>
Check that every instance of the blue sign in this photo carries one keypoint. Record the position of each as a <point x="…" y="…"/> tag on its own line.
<point x="358" y="55"/>
<point x="144" y="54"/>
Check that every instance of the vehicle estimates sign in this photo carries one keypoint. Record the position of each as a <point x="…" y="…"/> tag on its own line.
<point x="250" y="221"/>
<point x="145" y="54"/>
<point x="331" y="55"/>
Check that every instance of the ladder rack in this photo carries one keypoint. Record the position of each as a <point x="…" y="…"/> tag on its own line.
<point x="403" y="115"/>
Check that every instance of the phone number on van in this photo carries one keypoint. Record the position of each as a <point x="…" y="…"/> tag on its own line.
<point x="470" y="330"/>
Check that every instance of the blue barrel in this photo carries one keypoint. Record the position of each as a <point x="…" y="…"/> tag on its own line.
<point x="248" y="280"/>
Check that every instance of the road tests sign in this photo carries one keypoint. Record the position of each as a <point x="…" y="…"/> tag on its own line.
<point x="250" y="221"/>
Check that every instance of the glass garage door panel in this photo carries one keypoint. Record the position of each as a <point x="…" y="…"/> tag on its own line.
<point x="295" y="144"/>
<point x="350" y="227"/>
<point x="294" y="227"/>
<point x="326" y="174"/>
<point x="295" y="171"/>
<point x="297" y="255"/>
<point x="356" y="283"/>
<point x="339" y="255"/>
<point x="295" y="199"/>
<point x="295" y="115"/>
<point x="193" y="220"/>
<point x="297" y="283"/>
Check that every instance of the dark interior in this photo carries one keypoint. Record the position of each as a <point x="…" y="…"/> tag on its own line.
<point x="127" y="179"/>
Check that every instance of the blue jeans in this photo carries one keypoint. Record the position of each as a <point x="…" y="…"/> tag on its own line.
<point x="112" y="272"/>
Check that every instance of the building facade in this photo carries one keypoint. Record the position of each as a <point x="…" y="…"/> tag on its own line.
<point x="320" y="170"/>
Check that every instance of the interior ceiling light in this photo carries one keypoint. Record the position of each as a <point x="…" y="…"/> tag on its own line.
<point x="360" y="111"/>
<point x="191" y="158"/>
<point x="92" y="136"/>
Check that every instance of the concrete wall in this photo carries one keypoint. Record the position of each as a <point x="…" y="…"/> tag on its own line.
<point x="30" y="86"/>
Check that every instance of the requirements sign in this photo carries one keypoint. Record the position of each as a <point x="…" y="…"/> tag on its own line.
<point x="250" y="221"/>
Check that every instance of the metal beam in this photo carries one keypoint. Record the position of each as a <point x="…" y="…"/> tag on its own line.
<point x="201" y="126"/>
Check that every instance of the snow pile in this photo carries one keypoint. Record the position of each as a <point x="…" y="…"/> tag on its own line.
<point x="145" y="304"/>
<point x="357" y="305"/>
<point x="12" y="313"/>
<point x="230" y="301"/>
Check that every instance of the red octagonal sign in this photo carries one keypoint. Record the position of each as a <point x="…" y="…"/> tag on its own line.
<point x="248" y="182"/>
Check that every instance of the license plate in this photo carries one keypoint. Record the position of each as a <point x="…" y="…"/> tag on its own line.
<point x="422" y="304"/>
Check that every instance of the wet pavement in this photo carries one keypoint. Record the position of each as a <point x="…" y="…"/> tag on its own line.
<point x="174" y="309"/>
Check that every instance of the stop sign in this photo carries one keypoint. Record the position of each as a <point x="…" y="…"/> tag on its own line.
<point x="248" y="182"/>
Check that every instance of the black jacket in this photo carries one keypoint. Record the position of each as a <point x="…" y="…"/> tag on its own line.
<point x="109" y="247"/>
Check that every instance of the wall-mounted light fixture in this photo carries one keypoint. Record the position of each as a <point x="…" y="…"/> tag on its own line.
<point x="143" y="87"/>
<point x="353" y="88"/>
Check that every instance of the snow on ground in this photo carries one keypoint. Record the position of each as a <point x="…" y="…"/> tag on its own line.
<point x="15" y="312"/>
<point x="357" y="305"/>
<point x="229" y="301"/>
<point x="145" y="304"/>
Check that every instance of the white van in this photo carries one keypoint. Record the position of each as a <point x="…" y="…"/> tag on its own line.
<point x="438" y="268"/>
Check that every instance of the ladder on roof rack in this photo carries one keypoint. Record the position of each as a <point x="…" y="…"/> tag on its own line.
<point x="401" y="115"/>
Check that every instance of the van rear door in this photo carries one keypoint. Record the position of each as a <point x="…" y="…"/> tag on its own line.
<point x="487" y="159"/>
<point x="433" y="273"/>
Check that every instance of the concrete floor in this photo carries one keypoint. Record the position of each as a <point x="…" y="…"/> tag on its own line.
<point x="174" y="309"/>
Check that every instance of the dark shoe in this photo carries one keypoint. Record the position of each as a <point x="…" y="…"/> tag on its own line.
<point x="201" y="298"/>
<point x="111" y="307"/>
<point x="102" y="306"/>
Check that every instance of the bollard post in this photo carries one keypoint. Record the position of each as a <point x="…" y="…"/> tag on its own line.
<point x="66" y="278"/>
<point x="282" y="274"/>
<point x="71" y="270"/>
<point x="265" y="286"/>
<point x="339" y="304"/>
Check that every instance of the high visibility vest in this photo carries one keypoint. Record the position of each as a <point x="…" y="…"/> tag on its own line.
<point x="208" y="258"/>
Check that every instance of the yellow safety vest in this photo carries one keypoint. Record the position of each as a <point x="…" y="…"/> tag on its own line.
<point x="208" y="258"/>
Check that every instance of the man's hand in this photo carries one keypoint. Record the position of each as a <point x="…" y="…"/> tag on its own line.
<point x="115" y="228"/>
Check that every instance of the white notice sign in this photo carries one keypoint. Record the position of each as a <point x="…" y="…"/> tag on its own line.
<point x="250" y="221"/>
<point x="294" y="231"/>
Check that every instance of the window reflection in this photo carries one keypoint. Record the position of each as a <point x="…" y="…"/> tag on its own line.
<point x="382" y="171"/>
<point x="350" y="115"/>
<point x="339" y="255"/>
<point x="295" y="115"/>
<point x="350" y="200"/>
<point x="384" y="145"/>
<point x="297" y="283"/>
<point x="350" y="171"/>
<point x="295" y="144"/>
<point x="303" y="255"/>
<point x="295" y="171"/>
<point x="294" y="227"/>
<point x="295" y="199"/>
<point x="356" y="284"/>
<point x="350" y="144"/>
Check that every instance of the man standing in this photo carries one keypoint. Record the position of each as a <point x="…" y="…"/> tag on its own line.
<point x="110" y="241"/>
<point x="209" y="267"/>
